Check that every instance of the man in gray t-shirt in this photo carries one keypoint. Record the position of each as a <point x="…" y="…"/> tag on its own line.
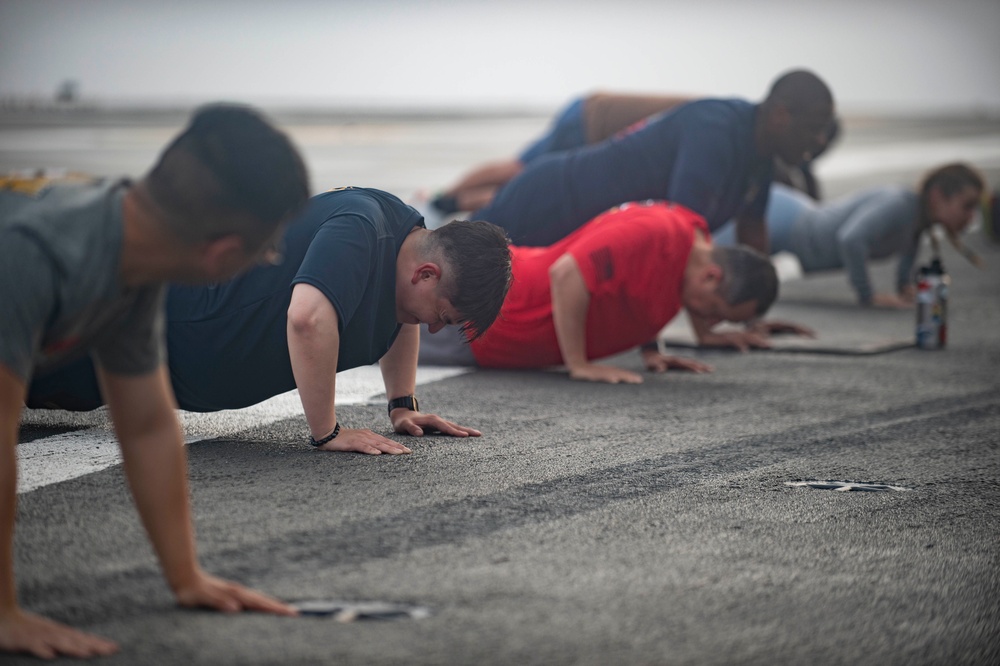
<point x="82" y="270"/>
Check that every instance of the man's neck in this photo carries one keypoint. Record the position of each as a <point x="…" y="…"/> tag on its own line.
<point x="410" y="252"/>
<point x="700" y="255"/>
<point x="147" y="255"/>
<point x="761" y="143"/>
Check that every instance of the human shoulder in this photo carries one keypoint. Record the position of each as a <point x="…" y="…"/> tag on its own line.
<point x="716" y="111"/>
<point x="709" y="129"/>
<point x="72" y="223"/>
<point x="29" y="292"/>
<point x="338" y="202"/>
<point x="361" y="208"/>
<point x="29" y="266"/>
<point x="647" y="223"/>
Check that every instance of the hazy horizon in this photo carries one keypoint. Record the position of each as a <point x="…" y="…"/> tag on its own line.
<point x="897" y="56"/>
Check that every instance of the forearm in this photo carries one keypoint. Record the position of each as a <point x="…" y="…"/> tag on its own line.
<point x="752" y="231"/>
<point x="904" y="271"/>
<point x="8" y="509"/>
<point x="314" y="348"/>
<point x="12" y="391"/>
<point x="316" y="378"/>
<point x="492" y="173"/>
<point x="156" y="466"/>
<point x="399" y="365"/>
<point x="701" y="327"/>
<point x="571" y="333"/>
<point x="142" y="409"/>
<point x="854" y="256"/>
<point x="570" y="302"/>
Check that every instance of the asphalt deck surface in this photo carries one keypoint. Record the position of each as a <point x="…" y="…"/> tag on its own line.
<point x="591" y="524"/>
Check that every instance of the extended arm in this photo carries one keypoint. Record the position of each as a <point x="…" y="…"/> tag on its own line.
<point x="399" y="372"/>
<point x="314" y="348"/>
<point x="867" y="225"/>
<point x="570" y="302"/>
<point x="156" y="467"/>
<point x="853" y="246"/>
<point x="905" y="279"/>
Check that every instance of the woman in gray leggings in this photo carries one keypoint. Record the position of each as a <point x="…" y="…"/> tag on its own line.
<point x="872" y="224"/>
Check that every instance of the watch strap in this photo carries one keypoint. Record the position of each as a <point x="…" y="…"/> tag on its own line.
<point x="408" y="401"/>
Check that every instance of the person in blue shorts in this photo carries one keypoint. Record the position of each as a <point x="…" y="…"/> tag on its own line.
<point x="875" y="223"/>
<point x="713" y="156"/>
<point x="360" y="273"/>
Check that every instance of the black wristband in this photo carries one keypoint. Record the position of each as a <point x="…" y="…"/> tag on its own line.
<point x="332" y="436"/>
<point x="652" y="345"/>
<point x="408" y="401"/>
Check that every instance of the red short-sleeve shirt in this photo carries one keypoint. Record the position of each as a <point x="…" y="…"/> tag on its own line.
<point x="632" y="259"/>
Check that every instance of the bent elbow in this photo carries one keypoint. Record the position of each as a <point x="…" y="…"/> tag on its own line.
<point x="562" y="268"/>
<point x="302" y="321"/>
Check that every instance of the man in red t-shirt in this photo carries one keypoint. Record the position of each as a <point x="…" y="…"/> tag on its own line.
<point x="612" y="285"/>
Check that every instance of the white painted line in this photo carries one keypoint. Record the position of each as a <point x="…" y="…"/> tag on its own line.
<point x="49" y="460"/>
<point x="63" y="457"/>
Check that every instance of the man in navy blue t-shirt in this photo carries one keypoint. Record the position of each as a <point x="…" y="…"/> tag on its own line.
<point x="585" y="121"/>
<point x="360" y="273"/>
<point x="713" y="156"/>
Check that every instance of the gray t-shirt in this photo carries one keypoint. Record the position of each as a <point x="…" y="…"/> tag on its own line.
<point x="60" y="291"/>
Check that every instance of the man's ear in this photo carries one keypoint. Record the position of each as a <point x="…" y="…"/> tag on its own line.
<point x="780" y="117"/>
<point x="935" y="196"/>
<point x="713" y="275"/>
<point x="426" y="271"/>
<point x="223" y="253"/>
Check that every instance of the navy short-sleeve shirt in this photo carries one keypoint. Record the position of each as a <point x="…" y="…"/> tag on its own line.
<point x="227" y="343"/>
<point x="700" y="155"/>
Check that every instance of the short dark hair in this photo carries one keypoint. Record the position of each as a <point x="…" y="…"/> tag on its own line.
<point x="477" y="255"/>
<point x="800" y="91"/>
<point x="747" y="275"/>
<point x="229" y="172"/>
<point x="950" y="179"/>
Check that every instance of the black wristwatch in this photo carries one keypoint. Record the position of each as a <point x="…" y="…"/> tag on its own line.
<point x="330" y="437"/>
<point x="408" y="401"/>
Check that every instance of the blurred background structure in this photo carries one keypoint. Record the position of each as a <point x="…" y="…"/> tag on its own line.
<point x="896" y="56"/>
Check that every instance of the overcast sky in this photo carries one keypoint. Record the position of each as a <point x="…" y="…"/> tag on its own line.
<point x="877" y="55"/>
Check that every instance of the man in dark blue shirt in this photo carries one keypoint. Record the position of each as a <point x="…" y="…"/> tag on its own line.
<point x="360" y="273"/>
<point x="586" y="121"/>
<point x="713" y="156"/>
